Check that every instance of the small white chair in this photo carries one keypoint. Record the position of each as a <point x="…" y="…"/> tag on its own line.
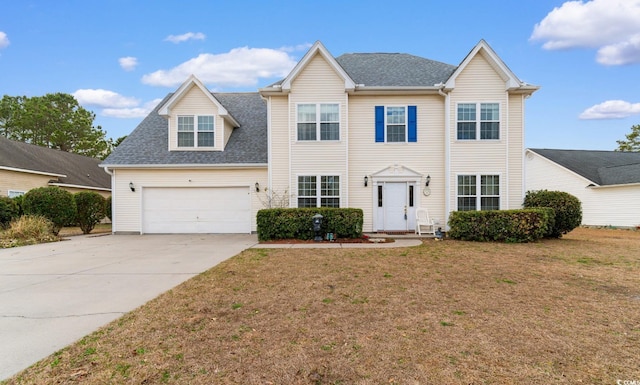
<point x="423" y="220"/>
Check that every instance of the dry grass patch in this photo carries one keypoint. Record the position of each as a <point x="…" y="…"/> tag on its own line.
<point x="558" y="311"/>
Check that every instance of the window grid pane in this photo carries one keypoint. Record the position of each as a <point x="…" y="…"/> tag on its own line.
<point x="466" y="192"/>
<point x="307" y="186"/>
<point x="329" y="113"/>
<point x="329" y="122"/>
<point x="466" y="130"/>
<point x="307" y="202"/>
<point x="185" y="123"/>
<point x="330" y="191"/>
<point x="329" y="131"/>
<point x="489" y="111"/>
<point x="396" y="124"/>
<point x="396" y="134"/>
<point x="492" y="203"/>
<point x="307" y="113"/>
<point x="330" y="202"/>
<point x="205" y="139"/>
<point x="306" y="131"/>
<point x="466" y="203"/>
<point x="205" y="123"/>
<point x="467" y="112"/>
<point x="489" y="130"/>
<point x="467" y="185"/>
<point x="185" y="139"/>
<point x="306" y="122"/>
<point x="490" y="185"/>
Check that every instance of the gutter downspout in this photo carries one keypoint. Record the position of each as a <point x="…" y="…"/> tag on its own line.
<point x="447" y="154"/>
<point x="113" y="193"/>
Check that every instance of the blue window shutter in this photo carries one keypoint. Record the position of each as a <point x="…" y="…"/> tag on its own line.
<point x="379" y="123"/>
<point x="413" y="126"/>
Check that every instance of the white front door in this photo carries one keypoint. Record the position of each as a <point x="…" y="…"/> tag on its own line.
<point x="396" y="206"/>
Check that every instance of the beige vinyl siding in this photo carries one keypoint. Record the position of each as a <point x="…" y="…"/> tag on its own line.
<point x="228" y="130"/>
<point x="318" y="83"/>
<point x="195" y="102"/>
<point x="127" y="217"/>
<point x="604" y="206"/>
<point x="367" y="157"/>
<point x="516" y="151"/>
<point x="279" y="145"/>
<point x="21" y="181"/>
<point x="480" y="83"/>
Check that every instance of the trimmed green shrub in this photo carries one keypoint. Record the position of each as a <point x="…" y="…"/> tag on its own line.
<point x="567" y="207"/>
<point x="91" y="210"/>
<point x="9" y="211"/>
<point x="107" y="207"/>
<point x="297" y="223"/>
<point x="53" y="203"/>
<point x="527" y="225"/>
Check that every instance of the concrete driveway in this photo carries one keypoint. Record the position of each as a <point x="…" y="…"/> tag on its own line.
<point x="54" y="294"/>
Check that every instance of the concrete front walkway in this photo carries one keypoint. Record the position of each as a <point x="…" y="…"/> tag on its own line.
<point x="55" y="293"/>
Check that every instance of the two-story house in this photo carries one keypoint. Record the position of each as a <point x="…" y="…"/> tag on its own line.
<point x="387" y="133"/>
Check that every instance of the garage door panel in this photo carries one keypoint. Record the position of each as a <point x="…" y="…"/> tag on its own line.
<point x="196" y="210"/>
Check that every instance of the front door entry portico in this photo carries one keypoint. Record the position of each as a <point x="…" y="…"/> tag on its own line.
<point x="395" y="198"/>
<point x="396" y="206"/>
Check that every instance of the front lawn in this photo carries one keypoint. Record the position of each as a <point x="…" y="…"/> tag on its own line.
<point x="450" y="312"/>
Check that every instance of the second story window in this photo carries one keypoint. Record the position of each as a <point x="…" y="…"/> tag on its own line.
<point x="191" y="134"/>
<point x="478" y="120"/>
<point x="318" y="122"/>
<point x="396" y="124"/>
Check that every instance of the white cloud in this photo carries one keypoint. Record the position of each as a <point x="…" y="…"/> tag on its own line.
<point x="128" y="63"/>
<point x="626" y="52"/>
<point x="294" y="48"/>
<point x="611" y="109"/>
<point x="185" y="36"/>
<point x="610" y="25"/>
<point x="4" y="40"/>
<point x="239" y="67"/>
<point x="104" y="98"/>
<point x="136" y="112"/>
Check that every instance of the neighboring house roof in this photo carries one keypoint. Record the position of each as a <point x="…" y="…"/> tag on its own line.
<point x="601" y="167"/>
<point x="69" y="169"/>
<point x="148" y="144"/>
<point x="394" y="70"/>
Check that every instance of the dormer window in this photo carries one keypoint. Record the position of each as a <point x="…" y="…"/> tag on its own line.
<point x="192" y="135"/>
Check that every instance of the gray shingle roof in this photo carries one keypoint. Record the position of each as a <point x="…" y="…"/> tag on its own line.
<point x="79" y="170"/>
<point x="601" y="167"/>
<point x="148" y="143"/>
<point x="394" y="69"/>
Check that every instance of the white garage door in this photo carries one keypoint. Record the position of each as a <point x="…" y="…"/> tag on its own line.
<point x="196" y="210"/>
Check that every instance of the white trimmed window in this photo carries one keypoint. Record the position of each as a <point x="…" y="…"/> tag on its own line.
<point x="396" y="124"/>
<point x="318" y="122"/>
<point x="478" y="196"/>
<point x="319" y="191"/>
<point x="15" y="193"/>
<point x="478" y="120"/>
<point x="192" y="135"/>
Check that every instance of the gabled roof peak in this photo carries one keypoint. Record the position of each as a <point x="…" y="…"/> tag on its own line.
<point x="193" y="81"/>
<point x="318" y="49"/>
<point x="512" y="83"/>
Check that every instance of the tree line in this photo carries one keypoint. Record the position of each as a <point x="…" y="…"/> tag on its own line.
<point x="56" y="121"/>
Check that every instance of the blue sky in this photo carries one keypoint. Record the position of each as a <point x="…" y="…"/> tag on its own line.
<point x="118" y="58"/>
